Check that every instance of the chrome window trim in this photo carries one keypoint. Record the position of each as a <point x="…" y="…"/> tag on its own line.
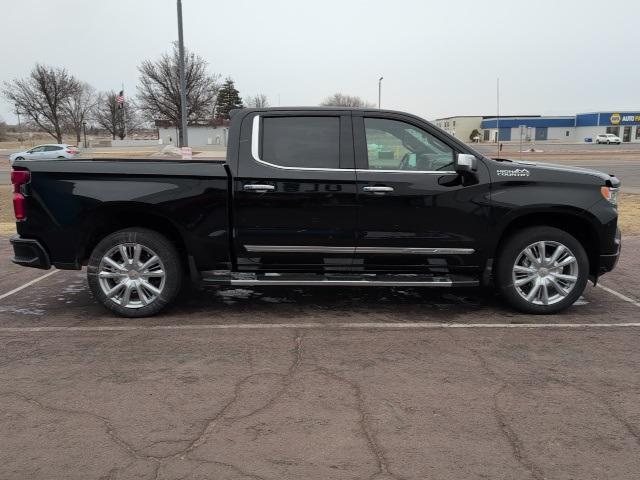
<point x="430" y="172"/>
<point x="356" y="250"/>
<point x="255" y="153"/>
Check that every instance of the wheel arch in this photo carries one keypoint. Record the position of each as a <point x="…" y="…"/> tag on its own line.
<point x="575" y="224"/>
<point x="116" y="217"/>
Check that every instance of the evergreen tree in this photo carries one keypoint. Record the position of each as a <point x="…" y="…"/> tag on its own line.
<point x="228" y="99"/>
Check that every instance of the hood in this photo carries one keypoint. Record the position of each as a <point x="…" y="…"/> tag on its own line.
<point x="511" y="164"/>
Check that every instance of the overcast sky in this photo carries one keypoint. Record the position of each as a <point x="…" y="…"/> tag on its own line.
<point x="438" y="58"/>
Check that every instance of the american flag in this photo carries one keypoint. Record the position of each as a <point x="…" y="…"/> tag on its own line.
<point x="120" y="99"/>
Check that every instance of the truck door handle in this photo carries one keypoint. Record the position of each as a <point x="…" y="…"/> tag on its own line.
<point x="258" y="187"/>
<point x="378" y="189"/>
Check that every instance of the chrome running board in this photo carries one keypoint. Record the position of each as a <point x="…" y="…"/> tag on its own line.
<point x="353" y="280"/>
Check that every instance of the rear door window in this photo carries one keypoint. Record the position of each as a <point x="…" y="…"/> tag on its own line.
<point x="302" y="142"/>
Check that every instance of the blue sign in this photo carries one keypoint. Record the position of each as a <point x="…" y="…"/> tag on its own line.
<point x="620" y="118"/>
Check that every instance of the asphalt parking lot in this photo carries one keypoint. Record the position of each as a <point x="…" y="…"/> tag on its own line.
<point x="292" y="383"/>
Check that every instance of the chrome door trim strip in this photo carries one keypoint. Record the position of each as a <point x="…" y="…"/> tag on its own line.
<point x="355" y="250"/>
<point x="297" y="249"/>
<point x="416" y="250"/>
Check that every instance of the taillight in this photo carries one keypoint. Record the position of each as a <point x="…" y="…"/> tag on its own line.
<point x="19" y="178"/>
<point x="72" y="152"/>
<point x="19" y="206"/>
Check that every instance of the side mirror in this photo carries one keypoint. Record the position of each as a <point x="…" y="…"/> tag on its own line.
<point x="465" y="163"/>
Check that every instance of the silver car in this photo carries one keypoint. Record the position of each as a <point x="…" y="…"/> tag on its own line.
<point x="45" y="152"/>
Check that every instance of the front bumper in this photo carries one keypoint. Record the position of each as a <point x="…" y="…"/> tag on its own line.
<point x="609" y="261"/>
<point x="29" y="253"/>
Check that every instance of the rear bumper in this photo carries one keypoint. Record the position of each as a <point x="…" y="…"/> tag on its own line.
<point x="29" y="253"/>
<point x="609" y="261"/>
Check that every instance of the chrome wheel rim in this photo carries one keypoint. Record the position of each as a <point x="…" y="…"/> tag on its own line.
<point x="131" y="275"/>
<point x="545" y="273"/>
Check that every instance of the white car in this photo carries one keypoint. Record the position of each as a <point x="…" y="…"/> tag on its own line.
<point x="608" y="138"/>
<point x="45" y="152"/>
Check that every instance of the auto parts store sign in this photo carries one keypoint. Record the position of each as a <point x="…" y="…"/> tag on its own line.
<point x="620" y="118"/>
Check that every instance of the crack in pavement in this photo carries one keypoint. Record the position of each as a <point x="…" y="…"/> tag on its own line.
<point x="204" y="433"/>
<point x="514" y="441"/>
<point x="364" y="423"/>
<point x="512" y="437"/>
<point x="212" y="422"/>
<point x="633" y="430"/>
<point x="229" y="466"/>
<point x="110" y="430"/>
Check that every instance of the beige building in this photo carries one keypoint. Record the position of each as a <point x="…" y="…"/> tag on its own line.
<point x="460" y="127"/>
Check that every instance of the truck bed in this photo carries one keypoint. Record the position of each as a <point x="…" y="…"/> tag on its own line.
<point x="70" y="203"/>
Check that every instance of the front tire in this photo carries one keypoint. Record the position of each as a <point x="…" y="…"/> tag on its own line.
<point x="541" y="270"/>
<point x="135" y="272"/>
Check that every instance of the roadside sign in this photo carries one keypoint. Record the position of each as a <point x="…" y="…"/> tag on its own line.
<point x="187" y="153"/>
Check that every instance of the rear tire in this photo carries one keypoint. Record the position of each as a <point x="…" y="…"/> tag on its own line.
<point x="135" y="272"/>
<point x="541" y="283"/>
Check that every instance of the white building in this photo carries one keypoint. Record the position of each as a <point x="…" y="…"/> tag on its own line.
<point x="530" y="128"/>
<point x="199" y="135"/>
<point x="460" y="127"/>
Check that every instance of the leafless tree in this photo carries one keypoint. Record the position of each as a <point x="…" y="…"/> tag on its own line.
<point x="117" y="119"/>
<point x="41" y="97"/>
<point x="259" y="100"/>
<point x="159" y="88"/>
<point x="78" y="107"/>
<point x="341" y="100"/>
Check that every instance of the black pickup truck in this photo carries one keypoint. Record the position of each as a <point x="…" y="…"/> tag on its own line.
<point x="320" y="196"/>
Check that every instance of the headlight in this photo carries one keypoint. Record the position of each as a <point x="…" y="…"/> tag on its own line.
<point x="610" y="194"/>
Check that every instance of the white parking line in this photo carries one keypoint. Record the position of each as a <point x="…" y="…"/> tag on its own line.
<point x="28" y="284"/>
<point x="619" y="295"/>
<point x="323" y="326"/>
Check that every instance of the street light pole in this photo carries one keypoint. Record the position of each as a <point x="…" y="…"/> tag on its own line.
<point x="84" y="131"/>
<point x="19" y="124"/>
<point x="183" y="82"/>
<point x="380" y="91"/>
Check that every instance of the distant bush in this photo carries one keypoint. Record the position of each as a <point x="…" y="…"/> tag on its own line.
<point x="3" y="131"/>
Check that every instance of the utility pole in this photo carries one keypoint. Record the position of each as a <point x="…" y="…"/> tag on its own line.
<point x="124" y="114"/>
<point x="380" y="91"/>
<point x="183" y="81"/>
<point x="498" y="114"/>
<point x="19" y="124"/>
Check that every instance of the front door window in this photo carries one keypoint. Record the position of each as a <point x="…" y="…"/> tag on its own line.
<point x="396" y="145"/>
